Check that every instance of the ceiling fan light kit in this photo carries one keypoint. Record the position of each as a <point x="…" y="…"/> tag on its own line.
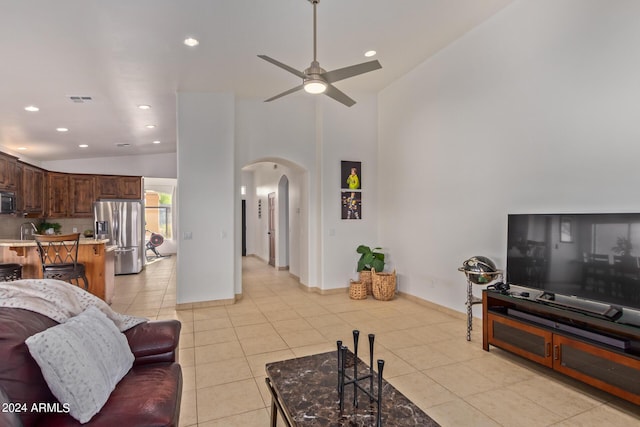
<point x="315" y="86"/>
<point x="316" y="80"/>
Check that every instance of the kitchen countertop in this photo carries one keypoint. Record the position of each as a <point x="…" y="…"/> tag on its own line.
<point x="28" y="243"/>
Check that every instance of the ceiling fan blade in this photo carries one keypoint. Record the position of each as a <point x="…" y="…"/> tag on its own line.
<point x="283" y="66"/>
<point x="286" y="92"/>
<point x="354" y="70"/>
<point x="338" y="95"/>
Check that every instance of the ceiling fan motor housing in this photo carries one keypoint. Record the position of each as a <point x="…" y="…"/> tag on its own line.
<point x="314" y="71"/>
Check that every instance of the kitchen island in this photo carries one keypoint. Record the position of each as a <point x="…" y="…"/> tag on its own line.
<point x="97" y="257"/>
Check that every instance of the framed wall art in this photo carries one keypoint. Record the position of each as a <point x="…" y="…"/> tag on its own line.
<point x="351" y="205"/>
<point x="351" y="175"/>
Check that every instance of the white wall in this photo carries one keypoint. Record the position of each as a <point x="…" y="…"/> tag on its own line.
<point x="152" y="165"/>
<point x="536" y="110"/>
<point x="349" y="134"/>
<point x="207" y="202"/>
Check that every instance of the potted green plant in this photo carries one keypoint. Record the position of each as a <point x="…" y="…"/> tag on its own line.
<point x="369" y="259"/>
<point x="44" y="228"/>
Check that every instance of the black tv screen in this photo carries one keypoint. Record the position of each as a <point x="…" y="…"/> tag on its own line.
<point x="590" y="256"/>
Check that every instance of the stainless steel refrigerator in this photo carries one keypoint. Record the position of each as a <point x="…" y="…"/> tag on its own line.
<point x="122" y="222"/>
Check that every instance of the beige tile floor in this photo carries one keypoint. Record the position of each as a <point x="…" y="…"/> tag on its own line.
<point x="223" y="351"/>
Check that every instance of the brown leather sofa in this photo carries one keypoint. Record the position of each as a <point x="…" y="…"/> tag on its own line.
<point x="148" y="395"/>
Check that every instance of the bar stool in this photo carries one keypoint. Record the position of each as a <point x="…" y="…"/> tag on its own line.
<point x="59" y="257"/>
<point x="10" y="272"/>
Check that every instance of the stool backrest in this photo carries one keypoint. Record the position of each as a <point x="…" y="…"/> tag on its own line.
<point x="58" y="248"/>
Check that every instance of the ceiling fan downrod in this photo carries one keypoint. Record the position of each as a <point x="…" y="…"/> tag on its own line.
<point x="314" y="3"/>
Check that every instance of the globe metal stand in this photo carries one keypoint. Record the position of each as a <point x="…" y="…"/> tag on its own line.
<point x="472" y="278"/>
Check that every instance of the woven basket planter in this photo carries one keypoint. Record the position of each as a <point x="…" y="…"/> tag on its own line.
<point x="357" y="290"/>
<point x="365" y="277"/>
<point x="383" y="285"/>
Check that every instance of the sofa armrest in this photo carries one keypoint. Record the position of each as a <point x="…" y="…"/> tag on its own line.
<point x="154" y="341"/>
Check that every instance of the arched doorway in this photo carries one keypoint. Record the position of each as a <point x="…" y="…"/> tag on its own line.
<point x="289" y="182"/>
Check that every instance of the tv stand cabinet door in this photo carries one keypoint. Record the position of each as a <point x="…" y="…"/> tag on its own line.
<point x="607" y="370"/>
<point x="520" y="338"/>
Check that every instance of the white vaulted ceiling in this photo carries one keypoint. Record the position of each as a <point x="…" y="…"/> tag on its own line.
<point x="124" y="53"/>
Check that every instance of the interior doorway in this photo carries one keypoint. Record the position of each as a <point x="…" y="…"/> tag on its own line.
<point x="244" y="227"/>
<point x="282" y="245"/>
<point x="272" y="229"/>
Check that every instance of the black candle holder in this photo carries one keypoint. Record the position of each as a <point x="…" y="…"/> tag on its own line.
<point x="344" y="379"/>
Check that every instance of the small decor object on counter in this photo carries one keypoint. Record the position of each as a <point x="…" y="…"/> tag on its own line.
<point x="345" y="380"/>
<point x="479" y="270"/>
<point x="383" y="285"/>
<point x="357" y="290"/>
<point x="369" y="259"/>
<point x="88" y="233"/>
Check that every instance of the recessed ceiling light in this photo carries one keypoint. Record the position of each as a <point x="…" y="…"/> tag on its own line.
<point x="370" y="53"/>
<point x="62" y="129"/>
<point x="144" y="107"/>
<point x="156" y="142"/>
<point x="32" y="108"/>
<point x="83" y="145"/>
<point x="21" y="148"/>
<point x="150" y="126"/>
<point x="191" y="42"/>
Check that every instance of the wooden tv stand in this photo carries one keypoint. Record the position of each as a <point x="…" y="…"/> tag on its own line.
<point x="592" y="349"/>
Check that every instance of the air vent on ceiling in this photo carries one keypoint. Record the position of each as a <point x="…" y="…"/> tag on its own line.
<point x="80" y="99"/>
<point x="123" y="144"/>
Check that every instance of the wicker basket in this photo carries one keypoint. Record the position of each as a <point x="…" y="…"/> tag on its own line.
<point x="357" y="290"/>
<point x="383" y="285"/>
<point x="365" y="277"/>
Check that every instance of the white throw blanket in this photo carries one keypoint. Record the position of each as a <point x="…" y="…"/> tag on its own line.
<point x="58" y="300"/>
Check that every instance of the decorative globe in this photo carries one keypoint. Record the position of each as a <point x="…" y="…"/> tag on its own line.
<point x="480" y="270"/>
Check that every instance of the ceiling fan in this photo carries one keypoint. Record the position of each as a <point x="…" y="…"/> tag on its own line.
<point x="317" y="80"/>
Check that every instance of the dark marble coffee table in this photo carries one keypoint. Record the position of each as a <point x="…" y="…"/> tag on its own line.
<point x="304" y="390"/>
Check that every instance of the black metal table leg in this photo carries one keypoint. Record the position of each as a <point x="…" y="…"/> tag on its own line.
<point x="275" y="406"/>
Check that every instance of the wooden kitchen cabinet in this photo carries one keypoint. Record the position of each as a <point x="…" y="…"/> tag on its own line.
<point x="118" y="187"/>
<point x="41" y="193"/>
<point x="81" y="195"/>
<point x="33" y="190"/>
<point x="57" y="195"/>
<point x="19" y="192"/>
<point x="8" y="172"/>
<point x="72" y="195"/>
<point x="106" y="186"/>
<point x="130" y="187"/>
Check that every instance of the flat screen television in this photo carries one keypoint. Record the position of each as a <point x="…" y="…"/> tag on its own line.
<point x="589" y="256"/>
